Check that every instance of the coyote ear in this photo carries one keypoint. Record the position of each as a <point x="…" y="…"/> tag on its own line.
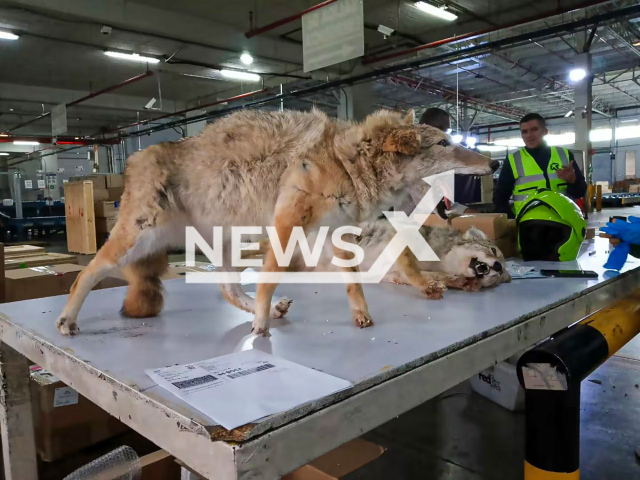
<point x="402" y="140"/>
<point x="474" y="234"/>
<point x="410" y="117"/>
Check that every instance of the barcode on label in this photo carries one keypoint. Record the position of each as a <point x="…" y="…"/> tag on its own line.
<point x="243" y="373"/>
<point x="193" y="382"/>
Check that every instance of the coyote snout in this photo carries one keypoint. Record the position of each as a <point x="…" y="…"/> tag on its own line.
<point x="284" y="169"/>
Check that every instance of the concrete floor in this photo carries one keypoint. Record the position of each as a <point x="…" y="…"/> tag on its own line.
<point x="460" y="435"/>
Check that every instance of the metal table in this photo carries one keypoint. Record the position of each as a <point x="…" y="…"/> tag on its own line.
<point x="416" y="350"/>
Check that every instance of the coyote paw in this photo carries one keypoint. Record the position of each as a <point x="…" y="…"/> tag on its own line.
<point x="281" y="308"/>
<point x="260" y="328"/>
<point x="472" y="285"/>
<point x="67" y="326"/>
<point x="434" y="290"/>
<point x="362" y="319"/>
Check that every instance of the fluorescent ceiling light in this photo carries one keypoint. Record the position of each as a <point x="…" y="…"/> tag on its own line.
<point x="8" y="36"/>
<point x="568" y="114"/>
<point x="246" y="58"/>
<point x="471" y="142"/>
<point x="2" y="154"/>
<point x="18" y="142"/>
<point x="456" y="138"/>
<point x="134" y="57"/>
<point x="236" y="75"/>
<point x="630" y="120"/>
<point x="577" y="74"/>
<point x="637" y="44"/>
<point x="435" y="11"/>
<point x="449" y="131"/>
<point x="600" y="135"/>
<point x="491" y="148"/>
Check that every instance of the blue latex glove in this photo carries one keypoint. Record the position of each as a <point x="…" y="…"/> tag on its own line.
<point x="628" y="233"/>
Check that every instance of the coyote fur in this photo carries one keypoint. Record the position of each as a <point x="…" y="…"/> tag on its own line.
<point x="260" y="168"/>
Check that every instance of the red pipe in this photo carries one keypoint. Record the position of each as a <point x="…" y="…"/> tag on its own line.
<point x="444" y="41"/>
<point x="84" y="99"/>
<point x="199" y="107"/>
<point x="284" y="21"/>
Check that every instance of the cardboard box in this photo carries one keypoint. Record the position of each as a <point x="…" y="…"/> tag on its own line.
<point x="104" y="225"/>
<point x="590" y="233"/>
<point x="159" y="465"/>
<point x="49" y="281"/>
<point x="115" y="193"/>
<point x="65" y="421"/>
<point x="508" y="246"/>
<point x="114" y="180"/>
<point x="106" y="209"/>
<point x="494" y="225"/>
<point x="339" y="462"/>
<point x="100" y="194"/>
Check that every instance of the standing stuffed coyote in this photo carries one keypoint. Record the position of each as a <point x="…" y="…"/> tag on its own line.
<point x="261" y="168"/>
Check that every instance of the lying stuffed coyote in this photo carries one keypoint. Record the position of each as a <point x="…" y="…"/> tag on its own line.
<point x="265" y="168"/>
<point x="468" y="261"/>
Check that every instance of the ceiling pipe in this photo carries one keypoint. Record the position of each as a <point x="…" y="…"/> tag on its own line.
<point x="50" y="140"/>
<point x="467" y="36"/>
<point x="84" y="99"/>
<point x="420" y="63"/>
<point x="284" y="21"/>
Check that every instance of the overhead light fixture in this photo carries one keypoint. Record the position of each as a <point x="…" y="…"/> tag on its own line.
<point x="568" y="114"/>
<point x="456" y="138"/>
<point x="246" y="58"/>
<point x="19" y="142"/>
<point x="628" y="121"/>
<point x="3" y="154"/>
<point x="577" y="74"/>
<point x="439" y="12"/>
<point x="448" y="131"/>
<point x="384" y="30"/>
<point x="637" y="44"/>
<point x="471" y="142"/>
<point x="8" y="36"/>
<point x="237" y="75"/>
<point x="491" y="148"/>
<point x="134" y="57"/>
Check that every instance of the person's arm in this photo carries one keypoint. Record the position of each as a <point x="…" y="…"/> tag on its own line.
<point x="504" y="189"/>
<point x="577" y="189"/>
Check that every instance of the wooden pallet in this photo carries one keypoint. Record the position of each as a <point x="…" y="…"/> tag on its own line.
<point x="39" y="260"/>
<point x="20" y="251"/>
<point x="81" y="220"/>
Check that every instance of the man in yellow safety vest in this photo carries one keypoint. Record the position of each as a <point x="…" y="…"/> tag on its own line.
<point x="536" y="166"/>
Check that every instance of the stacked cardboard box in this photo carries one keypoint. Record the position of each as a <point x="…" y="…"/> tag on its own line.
<point x="500" y="230"/>
<point x="65" y="421"/>
<point x="47" y="281"/>
<point x="105" y="187"/>
<point x="106" y="216"/>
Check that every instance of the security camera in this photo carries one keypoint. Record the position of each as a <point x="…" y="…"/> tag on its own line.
<point x="106" y="30"/>
<point x="150" y="104"/>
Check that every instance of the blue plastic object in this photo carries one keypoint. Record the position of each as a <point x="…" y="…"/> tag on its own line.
<point x="628" y="233"/>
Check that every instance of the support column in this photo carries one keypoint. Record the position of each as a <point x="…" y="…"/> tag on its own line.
<point x="614" y="148"/>
<point x="50" y="169"/>
<point x="583" y="106"/>
<point x="356" y="102"/>
<point x="16" y="419"/>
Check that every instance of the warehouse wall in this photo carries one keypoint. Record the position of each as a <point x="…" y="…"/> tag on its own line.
<point x="602" y="160"/>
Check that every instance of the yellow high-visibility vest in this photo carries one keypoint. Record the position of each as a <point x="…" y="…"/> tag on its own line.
<point x="529" y="176"/>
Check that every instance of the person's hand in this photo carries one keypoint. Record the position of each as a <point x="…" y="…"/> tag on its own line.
<point x="568" y="174"/>
<point x="612" y="240"/>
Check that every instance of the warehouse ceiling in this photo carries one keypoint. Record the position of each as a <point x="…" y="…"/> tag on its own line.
<point x="59" y="58"/>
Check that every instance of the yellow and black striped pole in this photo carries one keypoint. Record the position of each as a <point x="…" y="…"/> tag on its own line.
<point x="551" y="374"/>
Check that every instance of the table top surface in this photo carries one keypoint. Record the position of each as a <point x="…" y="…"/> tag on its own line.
<point x="197" y="324"/>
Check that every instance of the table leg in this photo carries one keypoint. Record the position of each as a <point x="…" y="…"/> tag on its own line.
<point x="16" y="419"/>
